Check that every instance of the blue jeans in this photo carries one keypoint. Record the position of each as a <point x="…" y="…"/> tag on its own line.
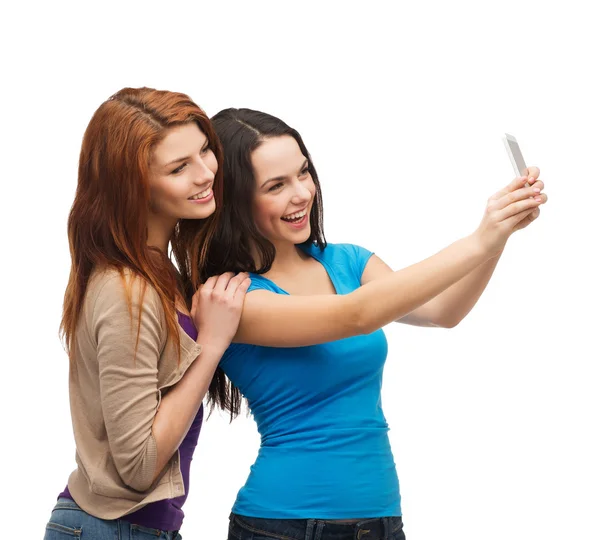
<point x="249" y="528"/>
<point x="70" y="521"/>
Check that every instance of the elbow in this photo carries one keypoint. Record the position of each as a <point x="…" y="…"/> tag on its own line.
<point x="139" y="479"/>
<point x="448" y="322"/>
<point x="137" y="484"/>
<point x="447" y="318"/>
<point x="448" y="325"/>
<point x="140" y="472"/>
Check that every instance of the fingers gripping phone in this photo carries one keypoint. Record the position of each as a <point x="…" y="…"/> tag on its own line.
<point x="515" y="155"/>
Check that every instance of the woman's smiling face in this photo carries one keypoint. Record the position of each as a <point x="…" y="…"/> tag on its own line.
<point x="284" y="191"/>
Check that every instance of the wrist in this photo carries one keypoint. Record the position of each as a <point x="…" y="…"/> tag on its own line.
<point x="211" y="346"/>
<point x="478" y="247"/>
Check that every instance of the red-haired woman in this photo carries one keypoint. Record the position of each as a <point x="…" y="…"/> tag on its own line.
<point x="141" y="357"/>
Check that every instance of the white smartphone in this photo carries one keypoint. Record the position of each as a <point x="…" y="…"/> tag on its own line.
<point x="515" y="155"/>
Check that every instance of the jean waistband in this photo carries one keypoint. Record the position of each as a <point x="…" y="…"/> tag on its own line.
<point x="291" y="529"/>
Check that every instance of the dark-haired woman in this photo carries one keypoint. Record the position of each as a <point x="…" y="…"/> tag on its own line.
<point x="309" y="353"/>
<point x="141" y="358"/>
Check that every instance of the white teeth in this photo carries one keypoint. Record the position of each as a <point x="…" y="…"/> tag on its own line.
<point x="205" y="193"/>
<point x="295" y="215"/>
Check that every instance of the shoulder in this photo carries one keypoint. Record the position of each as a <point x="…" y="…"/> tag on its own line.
<point x="353" y="251"/>
<point x="343" y="254"/>
<point x="261" y="283"/>
<point x="333" y="251"/>
<point x="110" y="287"/>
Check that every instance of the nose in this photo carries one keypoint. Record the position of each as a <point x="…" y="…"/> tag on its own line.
<point x="204" y="173"/>
<point x="301" y="193"/>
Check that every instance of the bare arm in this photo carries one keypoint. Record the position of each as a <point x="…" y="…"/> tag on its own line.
<point x="276" y="320"/>
<point x="448" y="308"/>
<point x="452" y="305"/>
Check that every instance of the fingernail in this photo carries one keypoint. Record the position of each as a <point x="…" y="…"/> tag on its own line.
<point x="537" y="190"/>
<point x="531" y="178"/>
<point x="538" y="199"/>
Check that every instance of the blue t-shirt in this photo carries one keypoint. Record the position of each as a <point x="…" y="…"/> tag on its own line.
<point x="324" y="451"/>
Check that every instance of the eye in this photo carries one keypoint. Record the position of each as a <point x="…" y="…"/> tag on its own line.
<point x="305" y="171"/>
<point x="276" y="186"/>
<point x="206" y="149"/>
<point x="179" y="169"/>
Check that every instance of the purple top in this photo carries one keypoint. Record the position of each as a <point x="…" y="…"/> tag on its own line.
<point x="167" y="515"/>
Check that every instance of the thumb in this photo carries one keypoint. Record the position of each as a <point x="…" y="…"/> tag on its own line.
<point x="527" y="220"/>
<point x="194" y="304"/>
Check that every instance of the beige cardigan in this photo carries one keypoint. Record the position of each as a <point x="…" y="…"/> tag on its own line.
<point x="114" y="398"/>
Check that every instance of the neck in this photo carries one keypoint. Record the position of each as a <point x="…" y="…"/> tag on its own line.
<point x="160" y="233"/>
<point x="287" y="258"/>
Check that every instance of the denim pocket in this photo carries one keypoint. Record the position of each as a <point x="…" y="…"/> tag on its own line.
<point x="56" y="531"/>
<point x="69" y="521"/>
<point x="239" y="533"/>
<point x="235" y="532"/>
<point x="138" y="532"/>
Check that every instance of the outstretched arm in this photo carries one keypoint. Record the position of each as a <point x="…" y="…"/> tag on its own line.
<point x="452" y="305"/>
<point x="448" y="308"/>
<point x="274" y="320"/>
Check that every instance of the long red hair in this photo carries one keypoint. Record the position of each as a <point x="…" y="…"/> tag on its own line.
<point x="107" y="225"/>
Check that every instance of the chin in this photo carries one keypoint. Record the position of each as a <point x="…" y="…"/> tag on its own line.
<point x="302" y="236"/>
<point x="203" y="213"/>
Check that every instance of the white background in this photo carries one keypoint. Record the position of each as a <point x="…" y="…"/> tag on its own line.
<point x="494" y="424"/>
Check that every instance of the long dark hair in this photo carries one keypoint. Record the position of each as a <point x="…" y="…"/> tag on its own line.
<point x="231" y="249"/>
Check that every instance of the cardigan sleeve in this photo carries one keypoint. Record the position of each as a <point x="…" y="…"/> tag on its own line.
<point x="128" y="374"/>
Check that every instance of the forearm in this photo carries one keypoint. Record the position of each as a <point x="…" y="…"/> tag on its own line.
<point x="454" y="304"/>
<point x="392" y="297"/>
<point x="179" y="406"/>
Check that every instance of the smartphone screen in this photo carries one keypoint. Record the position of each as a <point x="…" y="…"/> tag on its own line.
<point x="518" y="157"/>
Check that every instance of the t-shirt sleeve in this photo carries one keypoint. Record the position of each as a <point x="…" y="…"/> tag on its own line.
<point x="361" y="257"/>
<point x="259" y="284"/>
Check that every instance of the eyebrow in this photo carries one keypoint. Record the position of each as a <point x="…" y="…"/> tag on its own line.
<point x="185" y="158"/>
<point x="177" y="160"/>
<point x="279" y="178"/>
